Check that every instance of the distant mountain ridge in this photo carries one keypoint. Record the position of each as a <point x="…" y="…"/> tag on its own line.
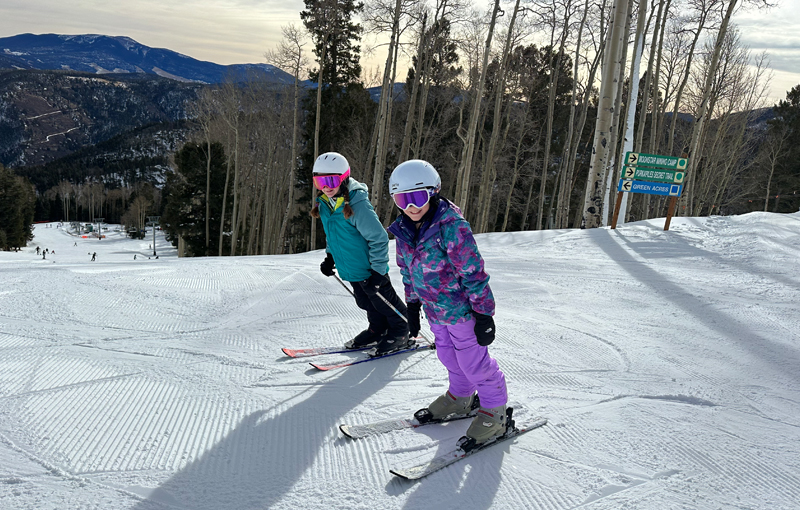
<point x="103" y="54"/>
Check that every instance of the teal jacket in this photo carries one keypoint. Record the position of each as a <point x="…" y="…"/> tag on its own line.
<point x="359" y="243"/>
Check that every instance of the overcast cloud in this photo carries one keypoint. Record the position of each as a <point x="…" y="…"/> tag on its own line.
<point x="240" y="31"/>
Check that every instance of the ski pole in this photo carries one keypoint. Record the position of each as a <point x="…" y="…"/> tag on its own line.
<point x="385" y="301"/>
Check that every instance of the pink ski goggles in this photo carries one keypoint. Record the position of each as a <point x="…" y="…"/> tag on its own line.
<point x="416" y="197"/>
<point x="331" y="181"/>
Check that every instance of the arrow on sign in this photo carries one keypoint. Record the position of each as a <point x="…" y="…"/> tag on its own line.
<point x="629" y="172"/>
<point x="626" y="186"/>
<point x="633" y="157"/>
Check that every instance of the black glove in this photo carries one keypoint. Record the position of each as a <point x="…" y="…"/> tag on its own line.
<point x="413" y="318"/>
<point x="484" y="328"/>
<point x="377" y="280"/>
<point x="327" y="265"/>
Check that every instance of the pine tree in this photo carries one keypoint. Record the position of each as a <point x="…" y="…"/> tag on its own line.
<point x="336" y="38"/>
<point x="184" y="213"/>
<point x="17" y="205"/>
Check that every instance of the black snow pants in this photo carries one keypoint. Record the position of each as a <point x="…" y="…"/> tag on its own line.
<point x="380" y="315"/>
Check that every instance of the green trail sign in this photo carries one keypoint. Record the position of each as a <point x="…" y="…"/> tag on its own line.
<point x="639" y="159"/>
<point x="652" y="174"/>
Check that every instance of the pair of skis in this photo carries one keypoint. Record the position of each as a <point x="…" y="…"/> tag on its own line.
<point x="463" y="449"/>
<point x="440" y="461"/>
<point x="303" y="353"/>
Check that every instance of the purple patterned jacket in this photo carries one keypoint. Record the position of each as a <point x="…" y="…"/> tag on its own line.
<point x="441" y="266"/>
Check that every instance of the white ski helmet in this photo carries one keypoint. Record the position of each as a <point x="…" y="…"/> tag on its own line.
<point x="331" y="163"/>
<point x="414" y="174"/>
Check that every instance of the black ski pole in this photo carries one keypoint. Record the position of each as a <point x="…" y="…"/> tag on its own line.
<point x="385" y="301"/>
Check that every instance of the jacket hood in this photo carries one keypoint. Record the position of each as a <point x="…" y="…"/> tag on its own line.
<point x="353" y="186"/>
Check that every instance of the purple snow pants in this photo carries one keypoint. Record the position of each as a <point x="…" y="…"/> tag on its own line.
<point x="469" y="365"/>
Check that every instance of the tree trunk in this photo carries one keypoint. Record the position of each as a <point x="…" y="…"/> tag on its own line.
<point x="313" y="243"/>
<point x="384" y="113"/>
<point x="701" y="116"/>
<point x="551" y="104"/>
<point x="465" y="168"/>
<point x="612" y="170"/>
<point x="488" y="178"/>
<point x="682" y="86"/>
<point x="404" y="148"/>
<point x="594" y="190"/>
<point x="633" y="94"/>
<point x="565" y="158"/>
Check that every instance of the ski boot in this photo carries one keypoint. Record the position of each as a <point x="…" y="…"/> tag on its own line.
<point x="488" y="425"/>
<point x="448" y="406"/>
<point x="364" y="339"/>
<point x="389" y="344"/>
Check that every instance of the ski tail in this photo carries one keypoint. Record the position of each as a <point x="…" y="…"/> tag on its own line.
<point x="304" y="353"/>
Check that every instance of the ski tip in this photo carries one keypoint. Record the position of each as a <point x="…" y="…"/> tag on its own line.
<point x="319" y="367"/>
<point x="288" y="352"/>
<point x="345" y="430"/>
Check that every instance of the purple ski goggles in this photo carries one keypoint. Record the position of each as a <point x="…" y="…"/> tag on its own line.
<point x="332" y="181"/>
<point x="416" y="197"/>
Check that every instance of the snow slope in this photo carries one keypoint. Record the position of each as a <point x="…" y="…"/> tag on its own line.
<point x="667" y="363"/>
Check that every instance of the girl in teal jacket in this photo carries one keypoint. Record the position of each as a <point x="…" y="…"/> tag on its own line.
<point x="358" y="246"/>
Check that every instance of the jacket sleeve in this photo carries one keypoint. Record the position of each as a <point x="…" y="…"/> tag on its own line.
<point x="462" y="250"/>
<point x="411" y="296"/>
<point x="369" y="226"/>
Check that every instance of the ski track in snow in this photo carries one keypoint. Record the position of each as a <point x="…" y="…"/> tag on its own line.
<point x="665" y="362"/>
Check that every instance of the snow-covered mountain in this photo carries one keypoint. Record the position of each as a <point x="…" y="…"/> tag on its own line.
<point x="104" y="54"/>
<point x="665" y="362"/>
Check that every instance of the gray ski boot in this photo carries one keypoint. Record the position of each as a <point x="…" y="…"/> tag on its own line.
<point x="488" y="424"/>
<point x="447" y="406"/>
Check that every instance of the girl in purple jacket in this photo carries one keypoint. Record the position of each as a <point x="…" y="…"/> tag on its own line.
<point x="443" y="271"/>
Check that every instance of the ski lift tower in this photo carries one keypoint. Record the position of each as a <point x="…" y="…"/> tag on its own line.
<point x="99" y="229"/>
<point x="153" y="221"/>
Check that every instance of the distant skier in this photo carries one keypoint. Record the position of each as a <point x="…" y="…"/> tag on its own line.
<point x="358" y="247"/>
<point x="94" y="256"/>
<point x="76" y="243"/>
<point x="443" y="270"/>
<point x="38" y="250"/>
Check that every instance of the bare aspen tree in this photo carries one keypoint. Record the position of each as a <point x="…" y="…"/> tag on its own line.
<point x="703" y="9"/>
<point x="465" y="167"/>
<point x="563" y="187"/>
<point x="774" y="150"/>
<point x="290" y="56"/>
<point x="231" y="106"/>
<point x="593" y="66"/>
<point x="701" y="118"/>
<point x="654" y="121"/>
<point x="431" y="40"/>
<point x="600" y="147"/>
<point x="383" y="122"/>
<point x="204" y="112"/>
<point x="490" y="171"/>
<point x="612" y="170"/>
<point x="406" y="144"/>
<point x="646" y="91"/>
<point x="555" y="71"/>
<point x="633" y="93"/>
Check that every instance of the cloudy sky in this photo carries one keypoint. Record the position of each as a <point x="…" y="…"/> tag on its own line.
<point x="240" y="31"/>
